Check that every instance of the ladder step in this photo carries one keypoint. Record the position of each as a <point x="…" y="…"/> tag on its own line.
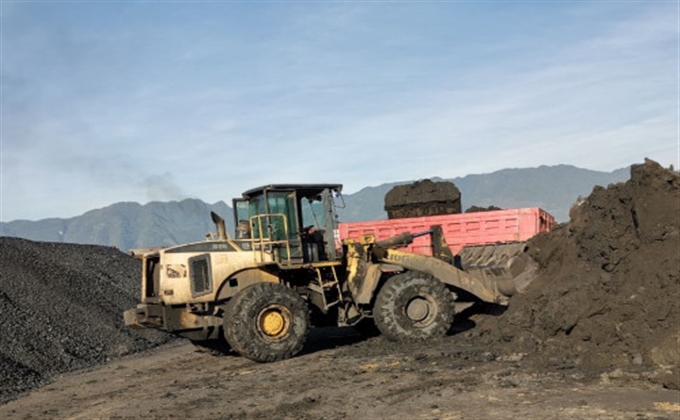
<point x="327" y="286"/>
<point x="316" y="288"/>
<point x="320" y="289"/>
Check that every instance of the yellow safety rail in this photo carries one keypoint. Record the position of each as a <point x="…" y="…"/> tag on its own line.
<point x="263" y="242"/>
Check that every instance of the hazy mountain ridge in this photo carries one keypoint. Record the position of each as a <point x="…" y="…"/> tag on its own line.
<point x="553" y="188"/>
<point x="128" y="225"/>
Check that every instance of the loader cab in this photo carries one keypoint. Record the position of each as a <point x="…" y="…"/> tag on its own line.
<point x="296" y="223"/>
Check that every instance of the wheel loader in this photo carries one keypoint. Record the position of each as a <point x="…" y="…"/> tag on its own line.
<point x="260" y="291"/>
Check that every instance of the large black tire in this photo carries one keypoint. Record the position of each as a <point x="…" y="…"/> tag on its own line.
<point x="266" y="322"/>
<point x="413" y="306"/>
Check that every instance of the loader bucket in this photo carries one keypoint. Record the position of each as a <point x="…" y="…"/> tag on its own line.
<point x="508" y="265"/>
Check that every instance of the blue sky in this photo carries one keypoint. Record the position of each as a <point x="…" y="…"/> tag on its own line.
<point x="115" y="101"/>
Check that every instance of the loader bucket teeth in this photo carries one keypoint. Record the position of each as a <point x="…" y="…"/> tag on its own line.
<point x="508" y="265"/>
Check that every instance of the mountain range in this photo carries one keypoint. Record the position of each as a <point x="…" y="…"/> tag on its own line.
<point x="130" y="225"/>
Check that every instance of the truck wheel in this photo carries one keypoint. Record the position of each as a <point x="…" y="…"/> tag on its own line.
<point x="413" y="306"/>
<point x="266" y="322"/>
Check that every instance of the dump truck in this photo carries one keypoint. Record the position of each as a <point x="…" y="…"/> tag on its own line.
<point x="462" y="230"/>
<point x="258" y="292"/>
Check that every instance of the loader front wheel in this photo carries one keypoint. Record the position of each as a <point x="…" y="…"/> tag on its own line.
<point x="266" y="322"/>
<point x="413" y="306"/>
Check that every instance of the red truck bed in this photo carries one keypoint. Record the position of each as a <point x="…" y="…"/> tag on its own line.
<point x="480" y="228"/>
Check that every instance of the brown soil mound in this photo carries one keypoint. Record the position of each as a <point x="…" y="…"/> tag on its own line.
<point x="607" y="296"/>
<point x="422" y="198"/>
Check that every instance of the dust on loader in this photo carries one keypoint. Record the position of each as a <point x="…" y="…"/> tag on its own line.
<point x="260" y="291"/>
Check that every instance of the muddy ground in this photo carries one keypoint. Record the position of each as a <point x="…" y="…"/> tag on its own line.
<point x="342" y="378"/>
<point x="596" y="335"/>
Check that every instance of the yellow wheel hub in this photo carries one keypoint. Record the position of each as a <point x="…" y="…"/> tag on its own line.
<point x="273" y="323"/>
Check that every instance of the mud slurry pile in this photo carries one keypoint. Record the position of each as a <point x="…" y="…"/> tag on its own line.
<point x="61" y="307"/>
<point x="608" y="292"/>
<point x="422" y="198"/>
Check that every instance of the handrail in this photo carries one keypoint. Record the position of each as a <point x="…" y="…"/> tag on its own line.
<point x="262" y="242"/>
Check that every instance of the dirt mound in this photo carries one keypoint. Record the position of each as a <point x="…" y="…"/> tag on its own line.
<point x="477" y="209"/>
<point x="62" y="308"/>
<point x="608" y="292"/>
<point x="422" y="198"/>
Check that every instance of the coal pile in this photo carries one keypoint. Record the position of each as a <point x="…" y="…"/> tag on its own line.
<point x="608" y="293"/>
<point x="62" y="308"/>
<point x="422" y="198"/>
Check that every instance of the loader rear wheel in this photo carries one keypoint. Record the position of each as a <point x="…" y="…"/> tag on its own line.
<point x="413" y="306"/>
<point x="266" y="322"/>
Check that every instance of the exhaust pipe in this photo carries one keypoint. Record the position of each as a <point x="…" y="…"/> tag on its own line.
<point x="219" y="223"/>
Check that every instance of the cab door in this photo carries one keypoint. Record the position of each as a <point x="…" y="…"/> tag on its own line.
<point x="272" y="224"/>
<point x="283" y="225"/>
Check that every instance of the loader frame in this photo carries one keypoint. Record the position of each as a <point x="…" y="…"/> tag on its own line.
<point x="201" y="290"/>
